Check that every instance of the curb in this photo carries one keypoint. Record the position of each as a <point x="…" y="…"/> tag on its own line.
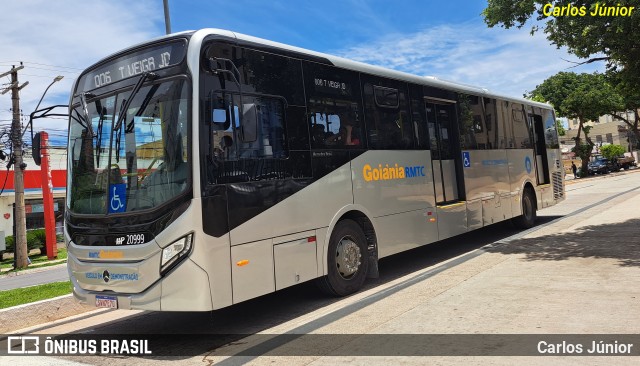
<point x="601" y="176"/>
<point x="36" y="313"/>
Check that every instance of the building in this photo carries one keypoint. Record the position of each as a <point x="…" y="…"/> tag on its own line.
<point x="605" y="131"/>
<point x="33" y="193"/>
<point x="602" y="120"/>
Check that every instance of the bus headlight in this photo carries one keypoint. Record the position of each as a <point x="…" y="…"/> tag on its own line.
<point x="176" y="250"/>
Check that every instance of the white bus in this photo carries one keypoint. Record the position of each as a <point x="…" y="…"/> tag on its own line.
<point x="207" y="168"/>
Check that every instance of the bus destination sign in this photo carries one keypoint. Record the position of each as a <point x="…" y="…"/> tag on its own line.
<point x="134" y="64"/>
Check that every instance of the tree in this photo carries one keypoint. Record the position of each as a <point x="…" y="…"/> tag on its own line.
<point x="540" y="98"/>
<point x="614" y="39"/>
<point x="581" y="96"/>
<point x="628" y="89"/>
<point x="560" y="128"/>
<point x="612" y="151"/>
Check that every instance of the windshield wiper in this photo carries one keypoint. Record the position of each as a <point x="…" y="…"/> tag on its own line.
<point x="122" y="115"/>
<point x="85" y="110"/>
<point x="123" y="109"/>
<point x="101" y="114"/>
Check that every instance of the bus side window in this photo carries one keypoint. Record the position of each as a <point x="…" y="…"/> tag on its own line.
<point x="334" y="112"/>
<point x="520" y="127"/>
<point x="493" y="127"/>
<point x="473" y="132"/>
<point x="505" y="120"/>
<point x="418" y="116"/>
<point x="261" y="132"/>
<point x="386" y="112"/>
<point x="318" y="135"/>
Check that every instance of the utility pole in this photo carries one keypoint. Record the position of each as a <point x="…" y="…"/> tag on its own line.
<point x="20" y="235"/>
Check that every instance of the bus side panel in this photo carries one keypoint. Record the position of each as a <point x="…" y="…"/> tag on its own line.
<point x="295" y="260"/>
<point x="404" y="231"/>
<point x="487" y="180"/>
<point x="550" y="194"/>
<point x="390" y="182"/>
<point x="321" y="239"/>
<point x="209" y="252"/>
<point x="500" y="165"/>
<point x="267" y="240"/>
<point x="521" y="170"/>
<point x="452" y="220"/>
<point x="312" y="207"/>
<point x="396" y="187"/>
<point x="479" y="177"/>
<point x="557" y="176"/>
<point x="252" y="270"/>
<point x="474" y="214"/>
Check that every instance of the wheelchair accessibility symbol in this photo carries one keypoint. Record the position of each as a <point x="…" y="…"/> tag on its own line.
<point x="466" y="159"/>
<point x="117" y="202"/>
<point x="527" y="164"/>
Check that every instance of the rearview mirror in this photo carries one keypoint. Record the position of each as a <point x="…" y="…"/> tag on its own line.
<point x="35" y="149"/>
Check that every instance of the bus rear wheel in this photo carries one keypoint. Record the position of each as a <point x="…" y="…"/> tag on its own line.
<point x="528" y="217"/>
<point x="347" y="260"/>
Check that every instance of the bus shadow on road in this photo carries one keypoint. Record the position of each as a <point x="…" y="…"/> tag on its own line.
<point x="619" y="241"/>
<point x="232" y="323"/>
<point x="275" y="308"/>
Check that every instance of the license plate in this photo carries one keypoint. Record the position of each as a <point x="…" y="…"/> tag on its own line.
<point x="106" y="302"/>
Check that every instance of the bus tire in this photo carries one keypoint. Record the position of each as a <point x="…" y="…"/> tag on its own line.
<point x="347" y="260"/>
<point x="528" y="217"/>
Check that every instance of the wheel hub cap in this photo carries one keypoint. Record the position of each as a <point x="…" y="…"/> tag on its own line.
<point x="348" y="257"/>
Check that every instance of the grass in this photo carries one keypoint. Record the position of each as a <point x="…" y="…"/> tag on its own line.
<point x="30" y="294"/>
<point x="35" y="259"/>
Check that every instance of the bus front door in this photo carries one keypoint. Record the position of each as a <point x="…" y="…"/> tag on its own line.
<point x="441" y="121"/>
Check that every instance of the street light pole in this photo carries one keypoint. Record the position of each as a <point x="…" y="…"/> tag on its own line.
<point x="55" y="80"/>
<point x="167" y="20"/>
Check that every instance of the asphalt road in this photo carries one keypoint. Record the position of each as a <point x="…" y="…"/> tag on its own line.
<point x="34" y="277"/>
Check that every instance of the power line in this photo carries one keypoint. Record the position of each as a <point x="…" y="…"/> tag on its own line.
<point x="39" y="76"/>
<point x="66" y="72"/>
<point x="37" y="63"/>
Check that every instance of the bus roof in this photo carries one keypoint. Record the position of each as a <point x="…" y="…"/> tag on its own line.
<point x="371" y="69"/>
<point x="343" y="63"/>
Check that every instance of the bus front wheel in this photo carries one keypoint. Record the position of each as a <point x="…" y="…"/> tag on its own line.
<point x="347" y="260"/>
<point x="528" y="217"/>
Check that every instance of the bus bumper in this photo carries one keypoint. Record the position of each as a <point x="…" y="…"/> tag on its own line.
<point x="185" y="288"/>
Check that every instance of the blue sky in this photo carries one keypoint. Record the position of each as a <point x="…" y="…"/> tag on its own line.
<point x="446" y="39"/>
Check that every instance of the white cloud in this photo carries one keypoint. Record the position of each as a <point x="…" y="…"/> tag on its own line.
<point x="508" y="62"/>
<point x="63" y="37"/>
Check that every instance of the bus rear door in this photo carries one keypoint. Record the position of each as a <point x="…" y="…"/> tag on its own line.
<point x="441" y="120"/>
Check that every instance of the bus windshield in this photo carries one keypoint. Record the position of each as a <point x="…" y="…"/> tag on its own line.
<point x="140" y="165"/>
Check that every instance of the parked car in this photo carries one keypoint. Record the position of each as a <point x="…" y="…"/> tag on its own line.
<point x="626" y="162"/>
<point x="601" y="166"/>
